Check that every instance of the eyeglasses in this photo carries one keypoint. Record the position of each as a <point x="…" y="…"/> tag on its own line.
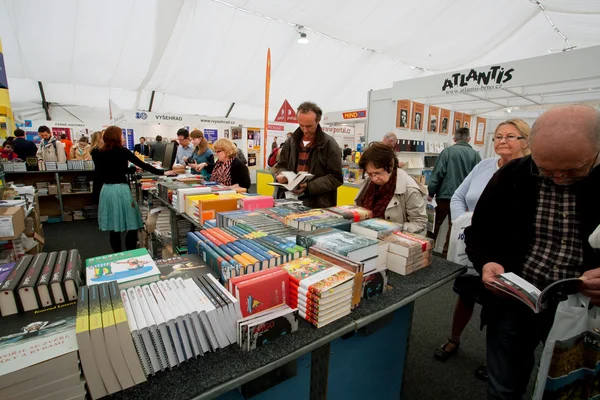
<point x="218" y="150"/>
<point x="377" y="174"/>
<point x="509" y="138"/>
<point x="577" y="173"/>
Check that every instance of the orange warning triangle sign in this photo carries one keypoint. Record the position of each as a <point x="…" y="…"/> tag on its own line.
<point x="286" y="113"/>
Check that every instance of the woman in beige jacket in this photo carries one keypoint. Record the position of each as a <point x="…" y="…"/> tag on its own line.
<point x="82" y="150"/>
<point x="389" y="192"/>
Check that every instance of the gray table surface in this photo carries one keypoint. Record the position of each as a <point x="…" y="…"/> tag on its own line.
<point x="216" y="373"/>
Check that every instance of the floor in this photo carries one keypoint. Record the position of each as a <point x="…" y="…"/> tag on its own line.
<point x="425" y="377"/>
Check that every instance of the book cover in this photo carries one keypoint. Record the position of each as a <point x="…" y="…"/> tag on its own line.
<point x="279" y="325"/>
<point x="374" y="284"/>
<point x="305" y="267"/>
<point x="72" y="275"/>
<point x="27" y="293"/>
<point x="56" y="285"/>
<point x="375" y="228"/>
<point x="262" y="292"/>
<point x="24" y="337"/>
<point x="5" y="270"/>
<point x="351" y="212"/>
<point x="9" y="301"/>
<point x="128" y="268"/>
<point x="348" y="244"/>
<point x="185" y="266"/>
<point x="43" y="283"/>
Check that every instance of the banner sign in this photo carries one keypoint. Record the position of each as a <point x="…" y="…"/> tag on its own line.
<point x="355" y="114"/>
<point x="339" y="130"/>
<point x="211" y="135"/>
<point x="286" y="114"/>
<point x="273" y="127"/>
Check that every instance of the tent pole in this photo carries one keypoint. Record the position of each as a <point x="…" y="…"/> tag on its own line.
<point x="229" y="111"/>
<point x="44" y="102"/>
<point x="151" y="101"/>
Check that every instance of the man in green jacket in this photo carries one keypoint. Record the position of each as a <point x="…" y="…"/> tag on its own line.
<point x="451" y="168"/>
<point x="312" y="150"/>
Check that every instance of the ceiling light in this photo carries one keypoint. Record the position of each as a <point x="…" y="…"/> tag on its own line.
<point x="303" y="39"/>
<point x="508" y="110"/>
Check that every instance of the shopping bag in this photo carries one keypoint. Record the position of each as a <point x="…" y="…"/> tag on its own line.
<point x="431" y="205"/>
<point x="571" y="354"/>
<point x="456" y="246"/>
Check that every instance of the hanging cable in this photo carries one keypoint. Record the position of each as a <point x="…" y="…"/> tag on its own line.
<point x="567" y="46"/>
<point x="320" y="33"/>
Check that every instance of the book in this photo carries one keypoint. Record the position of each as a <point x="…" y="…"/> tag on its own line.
<point x="43" y="283"/>
<point x="230" y="314"/>
<point x="201" y="303"/>
<point x="281" y="322"/>
<point x="23" y="376"/>
<point x="34" y="330"/>
<point x="375" y="228"/>
<point x="5" y="270"/>
<point x="214" y="314"/>
<point x="293" y="179"/>
<point x="374" y="283"/>
<point x="200" y="343"/>
<point x="157" y="341"/>
<point x="179" y="319"/>
<point x="185" y="266"/>
<point x="165" y="342"/>
<point x="400" y="264"/>
<point x="351" y="212"/>
<point x="27" y="294"/>
<point x="84" y="343"/>
<point x="56" y="281"/>
<point x="138" y="343"/>
<point x="348" y="244"/>
<point x="9" y="300"/>
<point x="128" y="269"/>
<point x="530" y="295"/>
<point x="187" y="312"/>
<point x="407" y="244"/>
<point x="72" y="275"/>
<point x="173" y="335"/>
<point x="111" y="383"/>
<point x="144" y="331"/>
<point x="260" y="292"/>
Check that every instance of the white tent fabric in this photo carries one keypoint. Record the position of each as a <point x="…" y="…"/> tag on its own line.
<point x="199" y="56"/>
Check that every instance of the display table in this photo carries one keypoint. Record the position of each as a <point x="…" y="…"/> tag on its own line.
<point x="218" y="373"/>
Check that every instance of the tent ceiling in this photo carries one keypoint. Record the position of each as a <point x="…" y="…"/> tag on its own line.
<point x="201" y="55"/>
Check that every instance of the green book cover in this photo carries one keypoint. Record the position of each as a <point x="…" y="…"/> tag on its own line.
<point x="121" y="267"/>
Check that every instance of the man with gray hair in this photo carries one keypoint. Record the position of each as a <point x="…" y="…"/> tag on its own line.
<point x="451" y="168"/>
<point x="390" y="139"/>
<point x="535" y="219"/>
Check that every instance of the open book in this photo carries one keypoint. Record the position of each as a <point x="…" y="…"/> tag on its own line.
<point x="535" y="299"/>
<point x="293" y="179"/>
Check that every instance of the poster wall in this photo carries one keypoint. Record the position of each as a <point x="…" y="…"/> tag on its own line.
<point x="480" y="133"/>
<point x="445" y="121"/>
<point x="417" y="117"/>
<point x="434" y="118"/>
<point x="402" y="114"/>
<point x="458" y="118"/>
<point x="466" y="121"/>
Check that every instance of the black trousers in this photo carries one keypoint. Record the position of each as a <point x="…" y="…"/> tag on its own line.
<point x="513" y="333"/>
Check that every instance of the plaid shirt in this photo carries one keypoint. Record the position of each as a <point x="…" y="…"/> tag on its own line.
<point x="557" y="252"/>
<point x="303" y="155"/>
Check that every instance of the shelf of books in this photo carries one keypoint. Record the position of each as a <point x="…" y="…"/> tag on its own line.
<point x="258" y="274"/>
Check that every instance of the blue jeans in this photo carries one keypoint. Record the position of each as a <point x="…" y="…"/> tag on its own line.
<point x="513" y="333"/>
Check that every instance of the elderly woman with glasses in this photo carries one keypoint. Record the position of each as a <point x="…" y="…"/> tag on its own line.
<point x="228" y="169"/>
<point x="511" y="141"/>
<point x="389" y="192"/>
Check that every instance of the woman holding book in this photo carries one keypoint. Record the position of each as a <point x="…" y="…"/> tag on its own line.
<point x="202" y="160"/>
<point x="511" y="141"/>
<point x="228" y="169"/>
<point x="118" y="211"/>
<point x="389" y="192"/>
<point x="82" y="150"/>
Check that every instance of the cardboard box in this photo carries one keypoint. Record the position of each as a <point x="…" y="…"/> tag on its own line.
<point x="12" y="222"/>
<point x="68" y="216"/>
<point x="52" y="189"/>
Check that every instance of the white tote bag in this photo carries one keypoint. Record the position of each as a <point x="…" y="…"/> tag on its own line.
<point x="568" y="363"/>
<point x="456" y="247"/>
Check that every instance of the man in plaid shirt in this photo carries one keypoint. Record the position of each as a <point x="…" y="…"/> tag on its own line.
<point x="534" y="219"/>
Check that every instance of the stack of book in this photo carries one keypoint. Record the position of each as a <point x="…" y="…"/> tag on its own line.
<point x="237" y="250"/>
<point x="206" y="206"/>
<point x="317" y="219"/>
<point x="61" y="166"/>
<point x="408" y="252"/>
<point x="320" y="290"/>
<point x="179" y="196"/>
<point x="347" y="244"/>
<point x="264" y="327"/>
<point x="375" y="228"/>
<point x="38" y="350"/>
<point x="353" y="213"/>
<point x="259" y="220"/>
<point x="108" y="357"/>
<point x="128" y="268"/>
<point x="282" y="210"/>
<point x="251" y="202"/>
<point x="39" y="281"/>
<point x="174" y="320"/>
<point x="184" y="266"/>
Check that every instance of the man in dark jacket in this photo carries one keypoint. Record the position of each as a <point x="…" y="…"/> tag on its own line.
<point x="534" y="219"/>
<point x="157" y="151"/>
<point x="22" y="147"/>
<point x="451" y="168"/>
<point x="310" y="149"/>
<point x="142" y="147"/>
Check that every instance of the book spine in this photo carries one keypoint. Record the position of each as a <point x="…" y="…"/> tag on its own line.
<point x="73" y="267"/>
<point x="59" y="267"/>
<point x="13" y="279"/>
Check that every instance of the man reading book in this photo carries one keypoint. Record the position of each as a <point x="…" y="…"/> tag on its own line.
<point x="534" y="219"/>
<point x="311" y="150"/>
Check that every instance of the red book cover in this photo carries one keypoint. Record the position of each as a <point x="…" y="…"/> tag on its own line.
<point x="263" y="292"/>
<point x="234" y="281"/>
<point x="211" y="237"/>
<point x="221" y="233"/>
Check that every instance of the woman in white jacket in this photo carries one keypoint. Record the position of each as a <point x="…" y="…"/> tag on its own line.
<point x="389" y="192"/>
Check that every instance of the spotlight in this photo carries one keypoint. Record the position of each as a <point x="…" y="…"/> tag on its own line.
<point x="303" y="39"/>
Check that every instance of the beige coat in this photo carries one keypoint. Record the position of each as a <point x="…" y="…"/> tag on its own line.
<point x="76" y="155"/>
<point x="408" y="204"/>
<point x="50" y="153"/>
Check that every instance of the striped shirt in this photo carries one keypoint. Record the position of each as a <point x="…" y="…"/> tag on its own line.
<point x="303" y="156"/>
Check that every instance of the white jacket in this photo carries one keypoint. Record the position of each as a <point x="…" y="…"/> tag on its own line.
<point x="53" y="151"/>
<point x="408" y="204"/>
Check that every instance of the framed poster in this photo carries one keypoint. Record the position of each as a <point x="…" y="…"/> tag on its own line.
<point x="466" y="121"/>
<point x="236" y="132"/>
<point x="417" y="116"/>
<point x="444" y="121"/>
<point x="226" y="133"/>
<point x="57" y="132"/>
<point x="433" y="124"/>
<point x="402" y="114"/>
<point x="211" y="135"/>
<point x="458" y="118"/>
<point x="480" y="133"/>
<point x="254" y="138"/>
